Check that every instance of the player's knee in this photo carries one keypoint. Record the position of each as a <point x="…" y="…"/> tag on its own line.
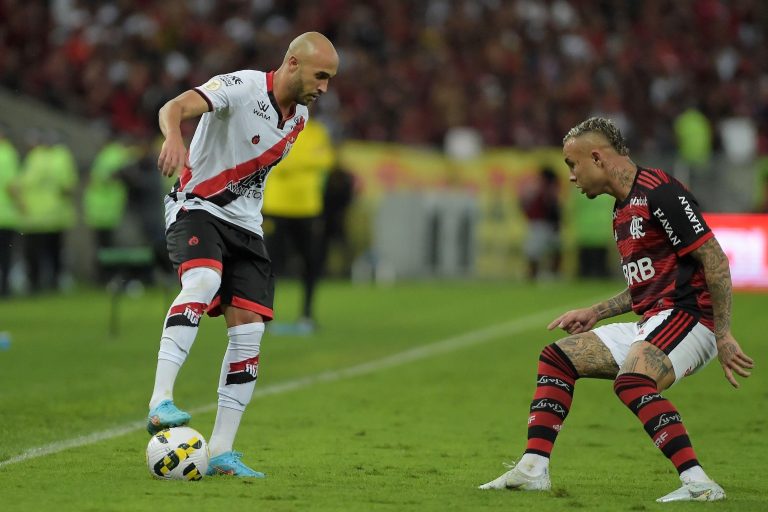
<point x="201" y="284"/>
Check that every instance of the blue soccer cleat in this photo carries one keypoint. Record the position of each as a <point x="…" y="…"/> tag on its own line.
<point x="165" y="415"/>
<point x="229" y="463"/>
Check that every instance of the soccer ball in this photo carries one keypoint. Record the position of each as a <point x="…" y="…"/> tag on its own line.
<point x="177" y="453"/>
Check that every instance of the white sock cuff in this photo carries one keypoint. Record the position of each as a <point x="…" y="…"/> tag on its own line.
<point x="171" y="351"/>
<point x="252" y="328"/>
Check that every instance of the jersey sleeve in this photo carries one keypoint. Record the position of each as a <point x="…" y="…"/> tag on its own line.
<point x="224" y="92"/>
<point x="680" y="217"/>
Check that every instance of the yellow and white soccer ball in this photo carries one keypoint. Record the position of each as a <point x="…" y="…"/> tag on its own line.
<point x="177" y="453"/>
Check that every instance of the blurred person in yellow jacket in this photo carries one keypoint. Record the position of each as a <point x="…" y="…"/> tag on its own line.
<point x="9" y="215"/>
<point x="46" y="190"/>
<point x="105" y="196"/>
<point x="292" y="210"/>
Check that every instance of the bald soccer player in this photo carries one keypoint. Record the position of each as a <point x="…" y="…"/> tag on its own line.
<point x="248" y="121"/>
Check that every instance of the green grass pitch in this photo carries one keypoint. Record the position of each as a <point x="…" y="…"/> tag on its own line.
<point x="407" y="398"/>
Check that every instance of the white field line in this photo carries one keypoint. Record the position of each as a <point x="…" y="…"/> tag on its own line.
<point x="444" y="346"/>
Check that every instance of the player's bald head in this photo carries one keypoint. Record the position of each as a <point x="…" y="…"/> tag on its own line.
<point x="313" y="47"/>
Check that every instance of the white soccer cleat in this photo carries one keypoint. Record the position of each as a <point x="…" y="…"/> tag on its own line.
<point x="517" y="480"/>
<point x="695" y="491"/>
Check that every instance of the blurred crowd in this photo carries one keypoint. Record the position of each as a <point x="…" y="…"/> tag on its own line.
<point x="520" y="72"/>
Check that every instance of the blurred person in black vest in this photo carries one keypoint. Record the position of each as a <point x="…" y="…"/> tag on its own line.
<point x="541" y="205"/>
<point x="292" y="211"/>
<point x="338" y="194"/>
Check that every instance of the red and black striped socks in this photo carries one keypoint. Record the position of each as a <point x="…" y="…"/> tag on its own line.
<point x="661" y="420"/>
<point x="552" y="400"/>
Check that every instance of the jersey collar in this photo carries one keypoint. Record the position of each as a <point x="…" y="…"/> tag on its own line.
<point x="273" y="100"/>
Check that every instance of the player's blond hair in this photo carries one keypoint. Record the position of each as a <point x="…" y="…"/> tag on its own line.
<point x="604" y="127"/>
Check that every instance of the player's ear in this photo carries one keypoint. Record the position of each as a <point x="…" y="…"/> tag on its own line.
<point x="596" y="157"/>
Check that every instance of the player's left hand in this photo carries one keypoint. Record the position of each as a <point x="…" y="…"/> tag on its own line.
<point x="733" y="360"/>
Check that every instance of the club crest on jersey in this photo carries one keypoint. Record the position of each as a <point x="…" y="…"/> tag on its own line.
<point x="244" y="371"/>
<point x="255" y="139"/>
<point x="636" y="227"/>
<point x="194" y="241"/>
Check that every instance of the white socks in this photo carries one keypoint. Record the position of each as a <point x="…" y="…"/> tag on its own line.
<point x="694" y="474"/>
<point x="532" y="464"/>
<point x="224" y="430"/>
<point x="236" y="383"/>
<point x="198" y="287"/>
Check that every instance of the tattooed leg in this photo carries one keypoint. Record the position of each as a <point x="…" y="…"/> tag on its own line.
<point x="648" y="360"/>
<point x="644" y="374"/>
<point x="589" y="356"/>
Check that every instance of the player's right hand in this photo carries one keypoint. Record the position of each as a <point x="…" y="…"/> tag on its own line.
<point x="173" y="157"/>
<point x="575" y="321"/>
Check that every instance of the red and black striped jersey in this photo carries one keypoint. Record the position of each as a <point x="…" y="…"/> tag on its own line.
<point x="656" y="227"/>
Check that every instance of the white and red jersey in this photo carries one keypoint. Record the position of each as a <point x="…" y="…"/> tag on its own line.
<point x="236" y="143"/>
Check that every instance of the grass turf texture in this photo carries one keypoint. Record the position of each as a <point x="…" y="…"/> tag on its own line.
<point x="414" y="436"/>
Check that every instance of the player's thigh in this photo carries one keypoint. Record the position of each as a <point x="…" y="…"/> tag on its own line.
<point x="589" y="355"/>
<point x="248" y="283"/>
<point x="195" y="241"/>
<point x="679" y="346"/>
<point x="646" y="359"/>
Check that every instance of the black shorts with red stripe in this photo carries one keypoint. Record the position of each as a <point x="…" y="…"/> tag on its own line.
<point x="199" y="239"/>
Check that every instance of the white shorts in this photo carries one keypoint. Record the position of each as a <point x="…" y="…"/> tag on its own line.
<point x="688" y="344"/>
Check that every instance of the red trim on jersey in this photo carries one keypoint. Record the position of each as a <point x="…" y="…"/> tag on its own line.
<point x="186" y="174"/>
<point x="207" y="100"/>
<point x="271" y="93"/>
<point x="199" y="262"/>
<point x="240" y="171"/>
<point x="695" y="245"/>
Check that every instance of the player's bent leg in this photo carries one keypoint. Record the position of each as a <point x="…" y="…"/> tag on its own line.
<point x="646" y="371"/>
<point x="589" y="356"/>
<point x="198" y="287"/>
<point x="560" y="365"/>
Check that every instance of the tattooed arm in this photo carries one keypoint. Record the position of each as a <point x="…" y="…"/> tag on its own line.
<point x="582" y="320"/>
<point x="718" y="276"/>
<point x="615" y="306"/>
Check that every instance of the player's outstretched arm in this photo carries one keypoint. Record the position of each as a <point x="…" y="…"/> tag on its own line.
<point x="582" y="320"/>
<point x="718" y="276"/>
<point x="173" y="154"/>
